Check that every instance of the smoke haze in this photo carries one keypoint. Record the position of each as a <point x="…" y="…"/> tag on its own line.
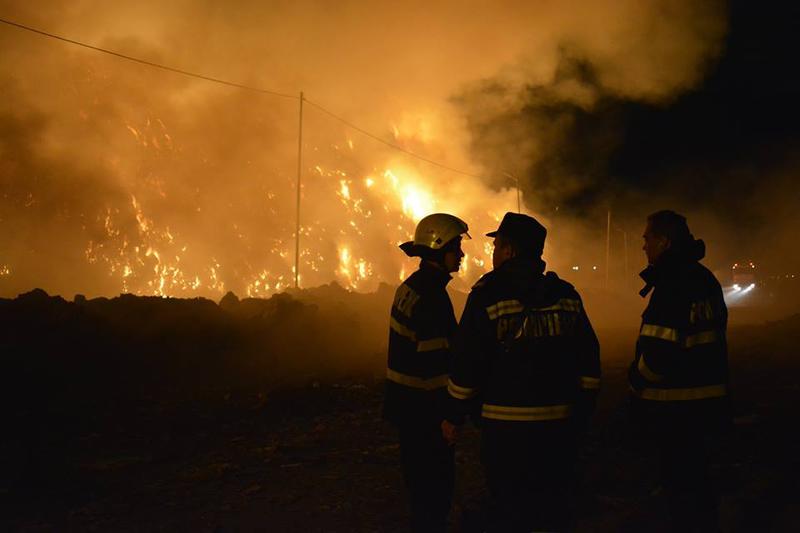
<point x="118" y="177"/>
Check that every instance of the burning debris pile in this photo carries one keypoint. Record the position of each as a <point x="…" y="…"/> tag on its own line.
<point x="135" y="180"/>
<point x="161" y="235"/>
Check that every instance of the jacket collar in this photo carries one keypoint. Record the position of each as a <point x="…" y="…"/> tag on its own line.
<point x="523" y="265"/>
<point x="437" y="276"/>
<point x="671" y="261"/>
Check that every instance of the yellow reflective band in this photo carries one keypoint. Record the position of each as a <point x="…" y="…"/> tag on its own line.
<point x="404" y="299"/>
<point x="659" y="332"/>
<point x="525" y="414"/>
<point x="704" y="337"/>
<point x="506" y="307"/>
<point x="588" y="382"/>
<point x="564" y="304"/>
<point x="416" y="382"/>
<point x="645" y="371"/>
<point x="400" y="329"/>
<point x="432" y="344"/>
<point x="701" y="311"/>
<point x="459" y="392"/>
<point x="695" y="393"/>
<point x="534" y="325"/>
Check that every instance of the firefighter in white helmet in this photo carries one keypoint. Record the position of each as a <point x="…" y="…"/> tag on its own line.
<point x="422" y="325"/>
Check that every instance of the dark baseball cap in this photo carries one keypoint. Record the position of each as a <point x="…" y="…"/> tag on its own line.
<point x="523" y="230"/>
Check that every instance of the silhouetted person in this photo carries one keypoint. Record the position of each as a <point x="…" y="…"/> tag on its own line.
<point x="525" y="351"/>
<point x="679" y="378"/>
<point x="422" y="326"/>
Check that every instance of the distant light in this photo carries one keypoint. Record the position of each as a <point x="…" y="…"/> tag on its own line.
<point x="736" y="287"/>
<point x="594" y="268"/>
<point x="576" y="267"/>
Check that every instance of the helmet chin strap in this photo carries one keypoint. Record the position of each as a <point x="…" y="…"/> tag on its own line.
<point x="435" y="264"/>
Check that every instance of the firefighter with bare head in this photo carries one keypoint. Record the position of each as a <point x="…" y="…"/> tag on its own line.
<point x="527" y="359"/>
<point x="679" y="376"/>
<point x="421" y="330"/>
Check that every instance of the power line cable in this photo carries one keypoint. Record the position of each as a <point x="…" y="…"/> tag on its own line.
<point x="148" y="63"/>
<point x="387" y="143"/>
<point x="239" y="86"/>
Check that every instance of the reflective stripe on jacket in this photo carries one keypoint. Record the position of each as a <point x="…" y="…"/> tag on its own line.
<point x="421" y="327"/>
<point x="525" y="350"/>
<point x="681" y="352"/>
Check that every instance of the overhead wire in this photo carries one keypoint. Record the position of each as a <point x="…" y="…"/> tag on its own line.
<point x="148" y="63"/>
<point x="239" y="86"/>
<point x="388" y="143"/>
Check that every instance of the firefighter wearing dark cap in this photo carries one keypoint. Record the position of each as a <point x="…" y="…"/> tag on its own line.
<point x="421" y="330"/>
<point x="526" y="352"/>
<point x="679" y="377"/>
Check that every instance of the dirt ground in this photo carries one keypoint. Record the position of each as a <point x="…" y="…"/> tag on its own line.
<point x="317" y="457"/>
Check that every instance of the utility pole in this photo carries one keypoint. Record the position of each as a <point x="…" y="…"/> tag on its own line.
<point x="516" y="184"/>
<point x="625" y="239"/>
<point x="297" y="212"/>
<point x="608" y="245"/>
<point x="625" y="247"/>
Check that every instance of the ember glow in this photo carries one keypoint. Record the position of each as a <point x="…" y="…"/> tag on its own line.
<point x="118" y="177"/>
<point x="340" y="239"/>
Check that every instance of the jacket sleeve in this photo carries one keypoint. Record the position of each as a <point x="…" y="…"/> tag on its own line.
<point x="588" y="365"/>
<point x="659" y="347"/>
<point x="434" y="325"/>
<point x="588" y="353"/>
<point x="470" y="364"/>
<point x="588" y="361"/>
<point x="682" y="345"/>
<point x="416" y="373"/>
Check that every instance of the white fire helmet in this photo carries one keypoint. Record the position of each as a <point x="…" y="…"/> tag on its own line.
<point x="434" y="232"/>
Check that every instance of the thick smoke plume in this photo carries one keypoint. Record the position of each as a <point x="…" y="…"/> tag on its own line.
<point x="116" y="177"/>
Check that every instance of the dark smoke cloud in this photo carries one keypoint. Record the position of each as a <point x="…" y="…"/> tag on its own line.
<point x="716" y="143"/>
<point x="116" y="165"/>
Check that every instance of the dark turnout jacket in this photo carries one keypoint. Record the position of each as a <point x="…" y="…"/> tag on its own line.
<point x="421" y="329"/>
<point x="681" y="353"/>
<point x="525" y="350"/>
